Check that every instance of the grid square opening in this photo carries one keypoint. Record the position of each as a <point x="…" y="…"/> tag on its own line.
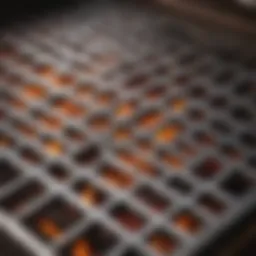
<point x="90" y="194"/>
<point x="238" y="184"/>
<point x="116" y="177"/>
<point x="18" y="200"/>
<point x="212" y="204"/>
<point x="10" y="247"/>
<point x="8" y="172"/>
<point x="53" y="219"/>
<point x="128" y="218"/>
<point x="188" y="222"/>
<point x="98" y="240"/>
<point x="162" y="242"/>
<point x="152" y="198"/>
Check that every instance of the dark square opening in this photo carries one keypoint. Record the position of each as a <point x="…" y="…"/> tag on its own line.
<point x="152" y="198"/>
<point x="53" y="219"/>
<point x="128" y="218"/>
<point x="58" y="171"/>
<point x="87" y="155"/>
<point x="133" y="252"/>
<point x="116" y="177"/>
<point x="180" y="185"/>
<point x="162" y="242"/>
<point x="237" y="184"/>
<point x="208" y="168"/>
<point x="90" y="194"/>
<point x="10" y="247"/>
<point x="8" y="172"/>
<point x="31" y="155"/>
<point x="211" y="203"/>
<point x="139" y="163"/>
<point x="96" y="241"/>
<point x="188" y="222"/>
<point x="23" y="196"/>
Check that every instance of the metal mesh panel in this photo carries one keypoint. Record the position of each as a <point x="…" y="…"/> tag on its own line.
<point x="119" y="136"/>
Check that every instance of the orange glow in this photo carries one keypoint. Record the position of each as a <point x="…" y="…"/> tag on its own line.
<point x="140" y="164"/>
<point x="187" y="222"/>
<point x="47" y="72"/>
<point x="18" y="104"/>
<point x="85" y="92"/>
<point x="118" y="179"/>
<point x="53" y="147"/>
<point x="51" y="122"/>
<point x="26" y="130"/>
<point x="49" y="228"/>
<point x="33" y="92"/>
<point x="69" y="108"/>
<point x="81" y="248"/>
<point x="125" y="110"/>
<point x="55" y="79"/>
<point x="105" y="98"/>
<point x="100" y="123"/>
<point x="168" y="133"/>
<point x="173" y="161"/>
<point x="5" y="141"/>
<point x="178" y="105"/>
<point x="131" y="221"/>
<point x="89" y="195"/>
<point x="145" y="146"/>
<point x="122" y="134"/>
<point x="150" y="120"/>
<point x="72" y="110"/>
<point x="163" y="244"/>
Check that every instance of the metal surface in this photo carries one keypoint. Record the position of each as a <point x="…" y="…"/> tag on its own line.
<point x="118" y="134"/>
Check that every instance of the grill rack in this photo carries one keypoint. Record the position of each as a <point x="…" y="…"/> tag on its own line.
<point x="69" y="135"/>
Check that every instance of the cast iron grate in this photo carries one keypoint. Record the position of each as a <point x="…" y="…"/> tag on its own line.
<point x="120" y="136"/>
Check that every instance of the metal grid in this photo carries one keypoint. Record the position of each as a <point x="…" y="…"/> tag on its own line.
<point x="119" y="136"/>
